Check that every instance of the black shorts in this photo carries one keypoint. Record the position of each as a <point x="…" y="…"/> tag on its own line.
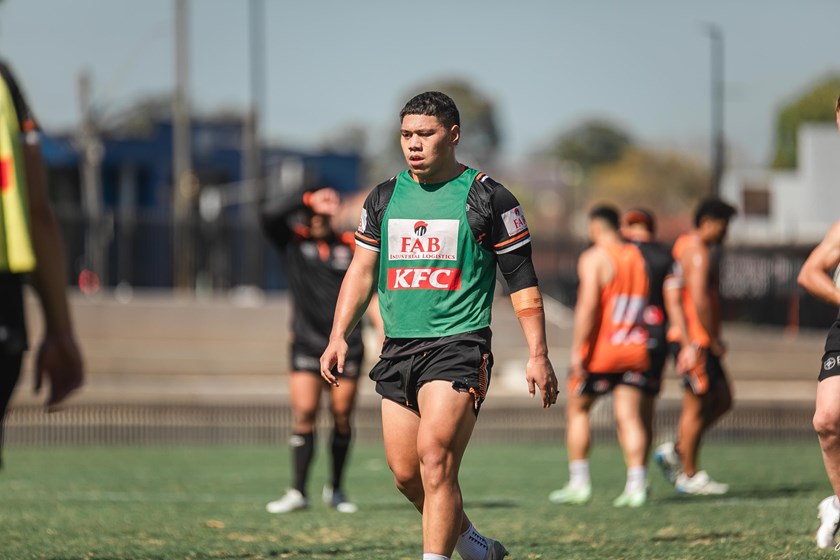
<point x="653" y="376"/>
<point x="305" y="358"/>
<point x="465" y="364"/>
<point x="706" y="376"/>
<point x="603" y="383"/>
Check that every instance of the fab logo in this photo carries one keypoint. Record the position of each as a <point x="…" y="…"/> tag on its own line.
<point x="422" y="239"/>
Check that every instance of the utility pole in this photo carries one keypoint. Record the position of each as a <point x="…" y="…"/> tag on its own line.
<point x="183" y="182"/>
<point x="252" y="185"/>
<point x="717" y="101"/>
<point x="91" y="152"/>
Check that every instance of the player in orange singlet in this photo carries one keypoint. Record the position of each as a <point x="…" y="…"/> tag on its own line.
<point x="699" y="349"/>
<point x="608" y="354"/>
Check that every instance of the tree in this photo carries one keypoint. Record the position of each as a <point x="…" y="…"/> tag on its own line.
<point x="592" y="143"/>
<point x="668" y="183"/>
<point x="815" y="105"/>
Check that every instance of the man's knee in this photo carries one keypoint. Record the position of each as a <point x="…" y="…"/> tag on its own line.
<point x="408" y="482"/>
<point x="827" y="425"/>
<point x="437" y="468"/>
<point x="305" y="419"/>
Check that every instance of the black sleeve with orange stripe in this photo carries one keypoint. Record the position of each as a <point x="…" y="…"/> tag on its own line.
<point x="499" y="225"/>
<point x="275" y="218"/>
<point x="369" y="233"/>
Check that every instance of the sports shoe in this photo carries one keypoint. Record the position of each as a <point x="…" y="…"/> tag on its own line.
<point x="668" y="460"/>
<point x="635" y="498"/>
<point x="576" y="496"/>
<point x="699" y="485"/>
<point x="829" y="517"/>
<point x="495" y="550"/>
<point x="293" y="500"/>
<point x="337" y="500"/>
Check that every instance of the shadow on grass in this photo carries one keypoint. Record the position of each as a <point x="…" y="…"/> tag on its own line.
<point x="714" y="536"/>
<point x="768" y="493"/>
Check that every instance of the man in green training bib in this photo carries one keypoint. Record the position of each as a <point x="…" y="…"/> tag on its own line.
<point x="429" y="241"/>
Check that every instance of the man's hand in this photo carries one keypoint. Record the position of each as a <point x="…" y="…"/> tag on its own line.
<point x="324" y="202"/>
<point x="59" y="359"/>
<point x="334" y="355"/>
<point x="688" y="358"/>
<point x="539" y="373"/>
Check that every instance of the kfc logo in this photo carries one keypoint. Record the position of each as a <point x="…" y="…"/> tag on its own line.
<point x="422" y="239"/>
<point x="424" y="279"/>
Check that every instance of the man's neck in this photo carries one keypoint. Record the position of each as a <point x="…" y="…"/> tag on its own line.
<point x="445" y="174"/>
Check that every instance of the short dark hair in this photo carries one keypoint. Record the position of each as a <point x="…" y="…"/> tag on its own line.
<point x="433" y="104"/>
<point x="714" y="208"/>
<point x="605" y="213"/>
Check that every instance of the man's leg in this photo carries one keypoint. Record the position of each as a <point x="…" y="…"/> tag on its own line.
<point x="399" y="427"/>
<point x="342" y="402"/>
<point x="827" y="426"/>
<point x="578" y="440"/>
<point x="690" y="430"/>
<point x="447" y="419"/>
<point x="628" y="403"/>
<point x="9" y="375"/>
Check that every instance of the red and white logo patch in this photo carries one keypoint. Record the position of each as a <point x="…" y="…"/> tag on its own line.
<point x="422" y="239"/>
<point x="424" y="279"/>
<point x="514" y="221"/>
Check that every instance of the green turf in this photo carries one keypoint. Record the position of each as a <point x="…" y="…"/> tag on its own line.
<point x="207" y="502"/>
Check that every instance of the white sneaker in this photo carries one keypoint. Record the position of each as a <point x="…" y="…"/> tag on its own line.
<point x="495" y="550"/>
<point x="829" y="517"/>
<point x="572" y="495"/>
<point x="668" y="460"/>
<point x="337" y="500"/>
<point x="293" y="500"/>
<point x="699" y="485"/>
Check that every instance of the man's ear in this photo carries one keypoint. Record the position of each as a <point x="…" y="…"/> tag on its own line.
<point x="455" y="134"/>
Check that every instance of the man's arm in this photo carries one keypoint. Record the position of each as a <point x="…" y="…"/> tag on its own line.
<point x="695" y="264"/>
<point x="58" y="356"/>
<point x="528" y="305"/>
<point x="353" y="299"/>
<point x="814" y="274"/>
<point x="276" y="212"/>
<point x="671" y="294"/>
<point x="586" y="308"/>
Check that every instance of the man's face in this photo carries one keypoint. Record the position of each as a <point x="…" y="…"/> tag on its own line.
<point x="713" y="230"/>
<point x="428" y="146"/>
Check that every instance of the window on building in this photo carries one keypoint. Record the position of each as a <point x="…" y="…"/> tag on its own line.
<point x="756" y="200"/>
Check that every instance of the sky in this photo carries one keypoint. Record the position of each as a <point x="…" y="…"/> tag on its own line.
<point x="547" y="65"/>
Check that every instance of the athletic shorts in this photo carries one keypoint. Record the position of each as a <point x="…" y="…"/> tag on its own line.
<point x="602" y="383"/>
<point x="706" y="375"/>
<point x="305" y="358"/>
<point x="465" y="364"/>
<point x="653" y="376"/>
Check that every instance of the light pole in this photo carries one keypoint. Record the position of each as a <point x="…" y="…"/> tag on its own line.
<point x="717" y="98"/>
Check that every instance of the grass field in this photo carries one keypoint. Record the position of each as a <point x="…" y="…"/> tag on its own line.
<point x="207" y="502"/>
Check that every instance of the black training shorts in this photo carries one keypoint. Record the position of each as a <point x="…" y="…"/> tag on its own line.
<point x="603" y="383"/>
<point x="465" y="364"/>
<point x="706" y="376"/>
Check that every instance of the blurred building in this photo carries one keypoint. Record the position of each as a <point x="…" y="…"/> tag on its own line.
<point x="134" y="231"/>
<point x="791" y="207"/>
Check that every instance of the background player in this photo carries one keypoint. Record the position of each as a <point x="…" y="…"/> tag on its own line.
<point x="608" y="354"/>
<point x="707" y="395"/>
<point x="31" y="243"/>
<point x="814" y="278"/>
<point x="316" y="258"/>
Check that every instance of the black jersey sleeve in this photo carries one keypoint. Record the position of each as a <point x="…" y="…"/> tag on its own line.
<point x="275" y="218"/>
<point x="509" y="228"/>
<point x="369" y="233"/>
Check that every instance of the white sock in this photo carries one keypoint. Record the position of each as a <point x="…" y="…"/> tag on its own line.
<point x="578" y="473"/>
<point x="636" y="478"/>
<point x="836" y="503"/>
<point x="430" y="556"/>
<point x="472" y="545"/>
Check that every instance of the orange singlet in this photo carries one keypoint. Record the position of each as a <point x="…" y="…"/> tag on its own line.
<point x="618" y="343"/>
